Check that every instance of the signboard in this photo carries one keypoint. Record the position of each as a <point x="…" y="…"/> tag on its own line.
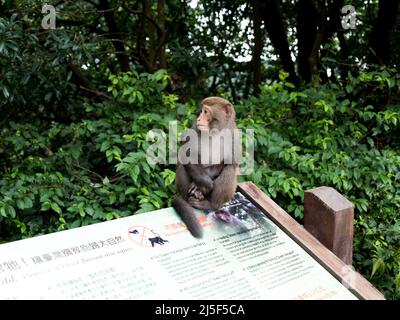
<point x="243" y="255"/>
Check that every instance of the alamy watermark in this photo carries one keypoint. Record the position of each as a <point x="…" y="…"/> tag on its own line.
<point x="349" y="277"/>
<point x="349" y="20"/>
<point x="214" y="147"/>
<point x="49" y="20"/>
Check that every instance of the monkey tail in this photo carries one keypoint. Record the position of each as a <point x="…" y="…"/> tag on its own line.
<point x="187" y="214"/>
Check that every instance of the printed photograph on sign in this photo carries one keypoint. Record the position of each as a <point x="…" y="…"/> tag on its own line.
<point x="145" y="237"/>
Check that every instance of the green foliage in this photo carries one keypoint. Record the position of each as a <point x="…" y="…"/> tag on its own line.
<point x="66" y="176"/>
<point x="134" y="87"/>
<point x="35" y="74"/>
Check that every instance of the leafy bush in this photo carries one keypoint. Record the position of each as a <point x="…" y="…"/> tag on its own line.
<point x="35" y="75"/>
<point x="68" y="175"/>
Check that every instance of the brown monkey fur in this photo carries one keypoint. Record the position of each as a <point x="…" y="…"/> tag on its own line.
<point x="207" y="186"/>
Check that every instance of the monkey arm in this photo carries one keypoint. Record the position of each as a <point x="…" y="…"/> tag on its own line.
<point x="199" y="176"/>
<point x="197" y="190"/>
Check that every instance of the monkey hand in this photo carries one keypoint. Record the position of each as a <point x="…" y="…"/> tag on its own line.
<point x="195" y="192"/>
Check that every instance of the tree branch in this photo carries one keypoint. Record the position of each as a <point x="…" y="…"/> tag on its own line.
<point x="138" y="12"/>
<point x="119" y="46"/>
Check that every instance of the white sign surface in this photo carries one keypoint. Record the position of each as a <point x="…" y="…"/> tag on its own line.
<point x="243" y="255"/>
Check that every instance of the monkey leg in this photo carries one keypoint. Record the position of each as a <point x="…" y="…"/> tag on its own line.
<point x="224" y="187"/>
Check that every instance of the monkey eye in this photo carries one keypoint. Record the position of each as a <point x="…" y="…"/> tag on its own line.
<point x="205" y="111"/>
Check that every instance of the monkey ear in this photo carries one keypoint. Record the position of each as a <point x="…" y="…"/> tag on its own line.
<point x="228" y="108"/>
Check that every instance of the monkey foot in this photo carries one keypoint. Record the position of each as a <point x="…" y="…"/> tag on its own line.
<point x="195" y="193"/>
<point x="200" y="204"/>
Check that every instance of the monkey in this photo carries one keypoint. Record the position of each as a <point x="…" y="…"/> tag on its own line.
<point x="207" y="185"/>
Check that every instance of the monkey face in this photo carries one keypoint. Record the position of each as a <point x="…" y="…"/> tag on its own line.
<point x="204" y="119"/>
<point x="218" y="114"/>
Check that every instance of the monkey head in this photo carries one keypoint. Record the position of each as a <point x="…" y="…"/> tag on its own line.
<point x="216" y="113"/>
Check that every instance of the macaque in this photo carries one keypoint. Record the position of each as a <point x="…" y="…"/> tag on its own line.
<point x="209" y="183"/>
